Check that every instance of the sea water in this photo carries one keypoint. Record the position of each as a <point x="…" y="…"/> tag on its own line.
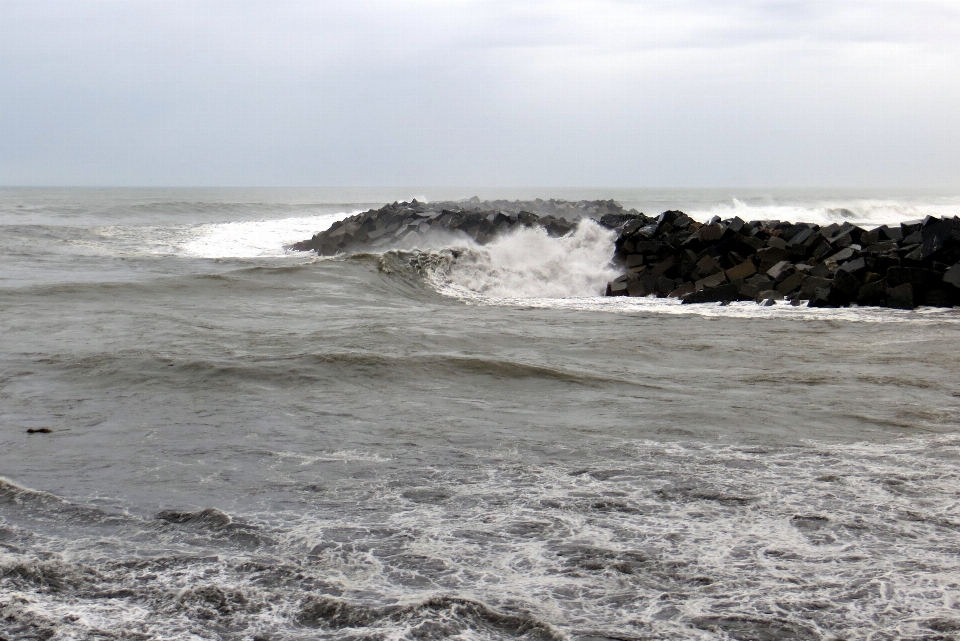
<point x="454" y="441"/>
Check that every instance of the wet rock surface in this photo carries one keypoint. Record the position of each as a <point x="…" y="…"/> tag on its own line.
<point x="406" y="222"/>
<point x="916" y="263"/>
<point x="913" y="264"/>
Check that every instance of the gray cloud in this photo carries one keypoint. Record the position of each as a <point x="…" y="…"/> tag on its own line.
<point x="486" y="93"/>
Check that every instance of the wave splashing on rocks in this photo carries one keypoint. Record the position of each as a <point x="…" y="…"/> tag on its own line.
<point x="529" y="263"/>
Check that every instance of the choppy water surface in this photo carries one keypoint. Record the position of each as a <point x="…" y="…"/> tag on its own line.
<point x="453" y="442"/>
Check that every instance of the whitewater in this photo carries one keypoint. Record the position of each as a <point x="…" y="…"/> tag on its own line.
<point x="448" y="440"/>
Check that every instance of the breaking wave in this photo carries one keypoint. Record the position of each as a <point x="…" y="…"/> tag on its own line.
<point x="529" y="263"/>
<point x="866" y="213"/>
<point x="526" y="264"/>
<point x="268" y="238"/>
<point x="254" y="239"/>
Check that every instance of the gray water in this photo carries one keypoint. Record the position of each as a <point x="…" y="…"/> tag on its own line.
<point x="252" y="443"/>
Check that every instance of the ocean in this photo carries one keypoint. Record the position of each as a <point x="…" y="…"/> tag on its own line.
<point x="454" y="441"/>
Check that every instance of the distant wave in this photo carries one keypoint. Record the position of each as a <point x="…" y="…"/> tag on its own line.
<point x="866" y="213"/>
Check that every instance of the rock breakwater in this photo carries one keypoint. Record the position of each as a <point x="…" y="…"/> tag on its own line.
<point x="405" y="222"/>
<point x="902" y="266"/>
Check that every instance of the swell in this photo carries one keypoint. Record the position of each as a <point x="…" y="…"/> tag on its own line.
<point x="111" y="369"/>
<point x="53" y="515"/>
<point x="251" y="278"/>
<point x="373" y="277"/>
<point x="523" y="264"/>
<point x="19" y="504"/>
<point x="12" y="493"/>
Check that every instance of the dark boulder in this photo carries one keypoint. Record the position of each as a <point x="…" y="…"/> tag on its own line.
<point x="617" y="289"/>
<point x="711" y="281"/>
<point x="791" y="284"/>
<point x="873" y="294"/>
<point x="846" y="283"/>
<point x="682" y="290"/>
<point x="843" y="255"/>
<point x="882" y="247"/>
<point x="761" y="282"/>
<point x="781" y="270"/>
<point x="917" y="276"/>
<point x="771" y="256"/>
<point x="944" y="296"/>
<point x="934" y="237"/>
<point x="722" y="293"/>
<point x="741" y="271"/>
<point x="854" y="266"/>
<point x="802" y="235"/>
<point x="706" y="266"/>
<point x="811" y="284"/>
<point x="910" y="227"/>
<point x="891" y="233"/>
<point x="619" y="220"/>
<point x="870" y="237"/>
<point x="664" y="286"/>
<point x="710" y="233"/>
<point x="769" y="295"/>
<point x="664" y="266"/>
<point x="831" y="296"/>
<point x="952" y="276"/>
<point x="642" y="286"/>
<point x="823" y="297"/>
<point x="901" y="297"/>
<point x="776" y="242"/>
<point x="634" y="260"/>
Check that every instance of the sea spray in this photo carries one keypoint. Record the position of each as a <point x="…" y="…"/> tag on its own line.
<point x="529" y="263"/>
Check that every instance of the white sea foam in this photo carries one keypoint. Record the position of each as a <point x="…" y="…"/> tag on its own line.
<point x="529" y="263"/>
<point x="667" y="539"/>
<point x="866" y="213"/>
<point x="842" y="538"/>
<point x="740" y="309"/>
<point x="268" y="238"/>
<point x="255" y="238"/>
<point x="342" y="456"/>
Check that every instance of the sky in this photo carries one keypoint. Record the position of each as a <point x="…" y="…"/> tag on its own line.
<point x="482" y="93"/>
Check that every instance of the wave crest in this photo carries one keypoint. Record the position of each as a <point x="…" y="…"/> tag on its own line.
<point x="529" y="263"/>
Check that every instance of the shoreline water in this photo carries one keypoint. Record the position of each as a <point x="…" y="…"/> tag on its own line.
<point x="253" y="443"/>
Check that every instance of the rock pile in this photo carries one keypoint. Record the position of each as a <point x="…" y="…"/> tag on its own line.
<point x="403" y="223"/>
<point x="902" y="266"/>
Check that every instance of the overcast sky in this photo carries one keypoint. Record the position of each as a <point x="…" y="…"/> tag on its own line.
<point x="484" y="93"/>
